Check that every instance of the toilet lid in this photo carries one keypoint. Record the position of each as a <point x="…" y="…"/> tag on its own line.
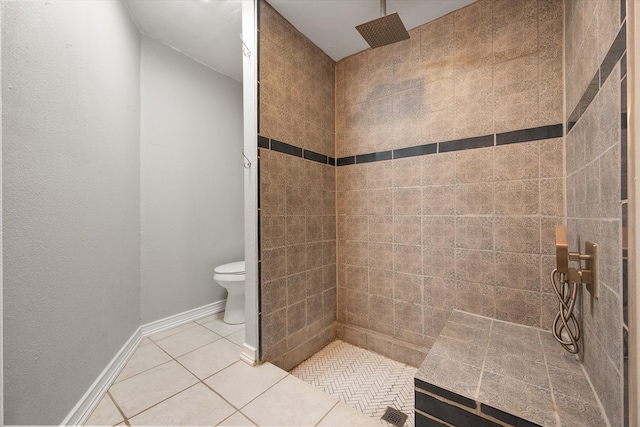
<point x="231" y="268"/>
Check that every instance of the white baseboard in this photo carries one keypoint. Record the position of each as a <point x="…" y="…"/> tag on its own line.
<point x="91" y="398"/>
<point x="182" y="318"/>
<point x="249" y="354"/>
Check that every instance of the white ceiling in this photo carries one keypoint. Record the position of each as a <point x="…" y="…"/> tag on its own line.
<point x="209" y="30"/>
<point x="331" y="24"/>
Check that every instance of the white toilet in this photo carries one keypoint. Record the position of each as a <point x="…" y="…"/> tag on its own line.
<point x="231" y="277"/>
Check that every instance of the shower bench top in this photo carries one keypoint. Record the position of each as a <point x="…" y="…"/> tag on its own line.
<point x="486" y="372"/>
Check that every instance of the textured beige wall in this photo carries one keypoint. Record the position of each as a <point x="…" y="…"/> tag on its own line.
<point x="491" y="67"/>
<point x="593" y="169"/>
<point x="297" y="204"/>
<point x="470" y="230"/>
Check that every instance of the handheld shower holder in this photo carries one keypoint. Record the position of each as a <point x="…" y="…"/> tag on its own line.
<point x="587" y="274"/>
<point x="566" y="281"/>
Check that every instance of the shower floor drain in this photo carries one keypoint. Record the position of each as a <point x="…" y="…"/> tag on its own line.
<point x="394" y="417"/>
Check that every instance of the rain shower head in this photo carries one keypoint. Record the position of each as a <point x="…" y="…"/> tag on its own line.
<point x="385" y="30"/>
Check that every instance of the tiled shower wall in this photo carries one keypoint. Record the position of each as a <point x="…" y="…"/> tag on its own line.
<point x="297" y="193"/>
<point x="473" y="228"/>
<point x="596" y="181"/>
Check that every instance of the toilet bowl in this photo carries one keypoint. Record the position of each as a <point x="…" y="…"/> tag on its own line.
<point x="231" y="277"/>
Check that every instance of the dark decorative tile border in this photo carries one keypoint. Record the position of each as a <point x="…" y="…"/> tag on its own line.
<point x="625" y="346"/>
<point x="374" y="157"/>
<point x="623" y="139"/>
<point x="422" y="421"/>
<point x="618" y="47"/>
<point x="615" y="53"/>
<point x="448" y="413"/>
<point x="285" y="148"/>
<point x="518" y="136"/>
<point x="263" y="142"/>
<point x="507" y="418"/>
<point x="418" y="150"/>
<point x="533" y="134"/>
<point x="588" y="96"/>
<point x="523" y="135"/>
<point x="343" y="161"/>
<point x="466" y="144"/>
<point x="292" y="150"/>
<point x="620" y="42"/>
<point x="625" y="290"/>
<point x="316" y="157"/>
<point x="445" y="393"/>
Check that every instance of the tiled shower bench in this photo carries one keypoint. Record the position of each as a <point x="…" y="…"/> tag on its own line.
<point x="483" y="372"/>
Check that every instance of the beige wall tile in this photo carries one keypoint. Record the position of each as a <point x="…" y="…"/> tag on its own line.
<point x="438" y="262"/>
<point x="407" y="201"/>
<point x="381" y="255"/>
<point x="439" y="169"/>
<point x="520" y="161"/>
<point x="407" y="229"/>
<point x="518" y="234"/>
<point x="381" y="228"/>
<point x="439" y="231"/>
<point x="297" y="285"/>
<point x="381" y="282"/>
<point x="519" y="271"/>
<point x="519" y="197"/>
<point x="474" y="199"/>
<point x="474" y="166"/>
<point x="474" y="232"/>
<point x="475" y="266"/>
<point x="518" y="306"/>
<point x="439" y="200"/>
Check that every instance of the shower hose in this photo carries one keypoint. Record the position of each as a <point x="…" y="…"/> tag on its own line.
<point x="566" y="329"/>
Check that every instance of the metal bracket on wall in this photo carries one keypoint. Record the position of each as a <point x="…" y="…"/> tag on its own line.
<point x="590" y="258"/>
<point x="587" y="275"/>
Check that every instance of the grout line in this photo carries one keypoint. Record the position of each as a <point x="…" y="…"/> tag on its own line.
<point x="163" y="400"/>
<point x="125" y="419"/>
<point x="141" y="372"/>
<point x="325" y="415"/>
<point x="270" y="387"/>
<point x="150" y="337"/>
<point x="484" y="361"/>
<point x="553" y="396"/>
<point x="174" y="359"/>
<point x="603" y="412"/>
<point x="229" y="417"/>
<point x="221" y="396"/>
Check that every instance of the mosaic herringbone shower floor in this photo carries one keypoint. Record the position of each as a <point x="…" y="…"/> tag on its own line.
<point x="363" y="380"/>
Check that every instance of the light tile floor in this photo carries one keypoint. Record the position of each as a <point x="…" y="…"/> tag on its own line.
<point x="361" y="379"/>
<point x="192" y="375"/>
